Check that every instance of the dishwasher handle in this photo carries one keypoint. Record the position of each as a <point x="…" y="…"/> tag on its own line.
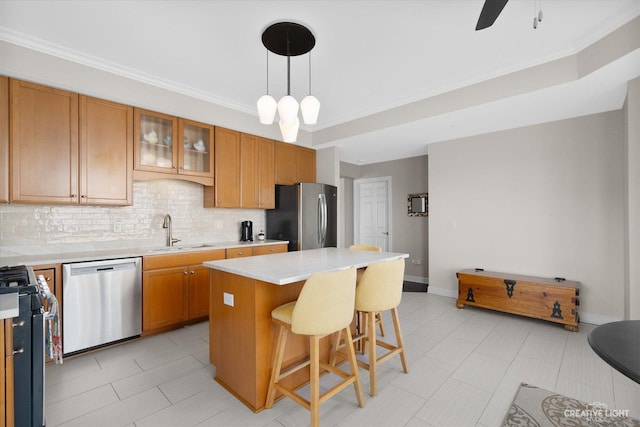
<point x="103" y="267"/>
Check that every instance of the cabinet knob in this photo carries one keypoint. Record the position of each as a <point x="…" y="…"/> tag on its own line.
<point x="83" y="196"/>
<point x="18" y="351"/>
<point x="240" y="253"/>
<point x="193" y="272"/>
<point x="18" y="324"/>
<point x="74" y="195"/>
<point x="185" y="273"/>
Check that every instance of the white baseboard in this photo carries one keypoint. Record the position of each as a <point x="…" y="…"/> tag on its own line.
<point x="596" y="319"/>
<point x="444" y="292"/>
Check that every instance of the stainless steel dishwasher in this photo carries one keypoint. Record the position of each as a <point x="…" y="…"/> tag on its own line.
<point x="101" y="302"/>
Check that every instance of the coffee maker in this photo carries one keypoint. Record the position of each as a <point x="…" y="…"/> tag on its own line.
<point x="246" y="231"/>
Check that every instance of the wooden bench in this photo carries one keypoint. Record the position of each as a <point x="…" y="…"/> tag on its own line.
<point x="555" y="300"/>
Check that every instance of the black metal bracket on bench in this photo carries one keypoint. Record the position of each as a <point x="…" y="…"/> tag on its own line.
<point x="510" y="285"/>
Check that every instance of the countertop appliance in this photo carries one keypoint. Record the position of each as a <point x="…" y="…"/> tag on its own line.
<point x="102" y="303"/>
<point x="246" y="231"/>
<point x="305" y="215"/>
<point x="28" y="345"/>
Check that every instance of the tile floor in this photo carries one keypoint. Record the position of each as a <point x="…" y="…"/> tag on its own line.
<point x="464" y="369"/>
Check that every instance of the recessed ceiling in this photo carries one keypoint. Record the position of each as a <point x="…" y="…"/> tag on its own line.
<point x="371" y="59"/>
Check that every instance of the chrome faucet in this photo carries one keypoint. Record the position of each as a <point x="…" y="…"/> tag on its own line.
<point x="167" y="224"/>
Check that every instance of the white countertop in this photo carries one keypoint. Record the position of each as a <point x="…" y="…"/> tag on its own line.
<point x="290" y="267"/>
<point x="113" y="253"/>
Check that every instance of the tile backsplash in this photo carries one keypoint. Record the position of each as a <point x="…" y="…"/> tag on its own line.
<point x="32" y="229"/>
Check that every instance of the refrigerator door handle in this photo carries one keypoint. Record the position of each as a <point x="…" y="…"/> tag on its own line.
<point x="323" y="198"/>
<point x="320" y="219"/>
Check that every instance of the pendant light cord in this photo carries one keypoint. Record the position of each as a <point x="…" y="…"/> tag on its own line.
<point x="267" y="71"/>
<point x="309" y="72"/>
<point x="288" y="64"/>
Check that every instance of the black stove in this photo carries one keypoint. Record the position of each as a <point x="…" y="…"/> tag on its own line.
<point x="28" y="345"/>
<point x="14" y="276"/>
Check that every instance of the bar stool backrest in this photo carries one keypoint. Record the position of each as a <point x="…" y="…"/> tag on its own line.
<point x="380" y="287"/>
<point x="325" y="304"/>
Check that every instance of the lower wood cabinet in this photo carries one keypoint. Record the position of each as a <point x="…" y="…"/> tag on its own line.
<point x="175" y="289"/>
<point x="269" y="249"/>
<point x="4" y="139"/>
<point x="7" y="415"/>
<point x="198" y="291"/>
<point x="239" y="252"/>
<point x="165" y="296"/>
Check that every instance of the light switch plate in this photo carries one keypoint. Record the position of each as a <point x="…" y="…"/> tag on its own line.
<point x="228" y="299"/>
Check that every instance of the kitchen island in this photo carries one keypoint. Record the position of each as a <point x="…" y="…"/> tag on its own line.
<point x="243" y="292"/>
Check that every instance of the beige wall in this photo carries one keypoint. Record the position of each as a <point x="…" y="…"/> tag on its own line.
<point x="544" y="200"/>
<point x="632" y="213"/>
<point x="410" y="234"/>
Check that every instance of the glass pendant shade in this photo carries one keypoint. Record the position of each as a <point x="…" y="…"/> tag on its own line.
<point x="288" y="109"/>
<point x="310" y="107"/>
<point x="289" y="130"/>
<point x="267" y="107"/>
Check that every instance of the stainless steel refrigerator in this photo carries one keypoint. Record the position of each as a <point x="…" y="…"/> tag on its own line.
<point x="305" y="215"/>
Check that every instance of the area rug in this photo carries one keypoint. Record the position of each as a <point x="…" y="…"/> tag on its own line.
<point x="414" y="287"/>
<point x="536" y="407"/>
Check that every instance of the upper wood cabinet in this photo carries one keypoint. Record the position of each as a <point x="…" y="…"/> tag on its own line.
<point x="196" y="151"/>
<point x="245" y="176"/>
<point x="257" y="176"/>
<point x="294" y="164"/>
<point x="249" y="172"/>
<point x="68" y="149"/>
<point x="156" y="135"/>
<point x="4" y="139"/>
<point x="226" y="190"/>
<point x="266" y="173"/>
<point x="170" y="145"/>
<point x="43" y="144"/>
<point x="106" y="152"/>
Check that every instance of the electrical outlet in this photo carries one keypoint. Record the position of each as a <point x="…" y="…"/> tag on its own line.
<point x="228" y="299"/>
<point x="217" y="224"/>
<point x="117" y="227"/>
<point x="416" y="261"/>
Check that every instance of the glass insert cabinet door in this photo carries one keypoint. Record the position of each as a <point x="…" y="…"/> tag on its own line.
<point x="195" y="148"/>
<point x="155" y="140"/>
<point x="172" y="145"/>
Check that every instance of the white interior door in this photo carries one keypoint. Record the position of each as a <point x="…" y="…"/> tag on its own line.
<point x="372" y="213"/>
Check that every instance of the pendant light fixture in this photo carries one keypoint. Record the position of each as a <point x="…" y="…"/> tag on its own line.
<point x="288" y="39"/>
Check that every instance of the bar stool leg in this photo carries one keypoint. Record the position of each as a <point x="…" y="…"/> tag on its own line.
<point x="314" y="376"/>
<point x="334" y="351"/>
<point x="353" y="364"/>
<point x="380" y="323"/>
<point x="373" y="365"/>
<point x="276" y="366"/>
<point x="400" y="340"/>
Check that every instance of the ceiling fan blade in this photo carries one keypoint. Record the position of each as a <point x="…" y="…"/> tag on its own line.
<point x="489" y="13"/>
